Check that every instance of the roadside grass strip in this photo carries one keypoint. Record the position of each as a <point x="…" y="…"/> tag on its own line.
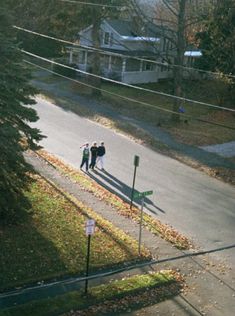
<point x="50" y="241"/>
<point x="155" y="226"/>
<point x="117" y="296"/>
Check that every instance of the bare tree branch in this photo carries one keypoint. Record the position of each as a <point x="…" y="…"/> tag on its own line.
<point x="170" y="8"/>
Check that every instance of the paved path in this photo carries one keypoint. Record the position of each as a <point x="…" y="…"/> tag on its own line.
<point x="225" y="150"/>
<point x="197" y="205"/>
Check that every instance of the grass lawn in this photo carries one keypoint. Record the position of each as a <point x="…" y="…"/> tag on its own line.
<point x="130" y="293"/>
<point x="192" y="132"/>
<point x="50" y="242"/>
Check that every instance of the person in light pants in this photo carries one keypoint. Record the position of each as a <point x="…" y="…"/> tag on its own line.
<point x="100" y="155"/>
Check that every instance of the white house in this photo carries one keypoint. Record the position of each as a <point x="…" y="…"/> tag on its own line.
<point x="123" y="48"/>
<point x="127" y="51"/>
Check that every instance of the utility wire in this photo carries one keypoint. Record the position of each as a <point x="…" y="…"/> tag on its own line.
<point x="128" y="85"/>
<point x="170" y="65"/>
<point x="126" y="56"/>
<point x="154" y="107"/>
<point x="113" y="272"/>
<point x="92" y="4"/>
<point x="102" y="90"/>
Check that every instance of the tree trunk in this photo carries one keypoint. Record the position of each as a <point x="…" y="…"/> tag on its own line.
<point x="179" y="59"/>
<point x="95" y="68"/>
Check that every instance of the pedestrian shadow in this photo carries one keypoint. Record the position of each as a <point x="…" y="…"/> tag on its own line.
<point x="113" y="184"/>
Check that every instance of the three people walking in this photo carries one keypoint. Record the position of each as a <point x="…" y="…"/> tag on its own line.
<point x="97" y="155"/>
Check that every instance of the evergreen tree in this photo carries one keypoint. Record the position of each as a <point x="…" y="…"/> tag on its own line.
<point x="15" y="133"/>
<point x="217" y="43"/>
<point x="218" y="39"/>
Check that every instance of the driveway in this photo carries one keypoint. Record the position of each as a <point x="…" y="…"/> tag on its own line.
<point x="225" y="150"/>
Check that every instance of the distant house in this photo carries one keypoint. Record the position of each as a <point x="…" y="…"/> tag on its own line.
<point x="124" y="45"/>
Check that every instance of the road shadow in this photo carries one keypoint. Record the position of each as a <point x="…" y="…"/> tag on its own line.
<point x="113" y="184"/>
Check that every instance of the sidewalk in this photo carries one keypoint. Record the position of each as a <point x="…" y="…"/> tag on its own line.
<point x="209" y="292"/>
<point x="225" y="150"/>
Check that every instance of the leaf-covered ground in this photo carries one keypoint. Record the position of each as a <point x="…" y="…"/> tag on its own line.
<point x="123" y="208"/>
<point x="50" y="242"/>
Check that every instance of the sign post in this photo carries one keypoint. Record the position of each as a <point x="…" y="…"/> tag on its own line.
<point x="141" y="195"/>
<point x="141" y="221"/>
<point x="90" y="229"/>
<point x="136" y="164"/>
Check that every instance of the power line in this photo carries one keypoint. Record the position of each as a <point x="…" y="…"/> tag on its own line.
<point x="113" y="272"/>
<point x="127" y="98"/>
<point x="92" y="48"/>
<point x="174" y="65"/>
<point x="129" y="85"/>
<point x="122" y="55"/>
<point x="92" y="4"/>
<point x="100" y="89"/>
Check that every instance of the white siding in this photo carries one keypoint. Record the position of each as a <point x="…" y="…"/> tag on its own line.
<point x="140" y="77"/>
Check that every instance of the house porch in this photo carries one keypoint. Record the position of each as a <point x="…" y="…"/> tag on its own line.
<point x="120" y="68"/>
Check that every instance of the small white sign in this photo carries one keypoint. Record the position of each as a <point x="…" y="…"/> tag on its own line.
<point x="90" y="227"/>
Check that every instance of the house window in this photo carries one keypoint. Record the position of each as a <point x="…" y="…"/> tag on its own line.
<point x="111" y="39"/>
<point x="116" y="63"/>
<point x="147" y="66"/>
<point x="132" y="65"/>
<point x="108" y="38"/>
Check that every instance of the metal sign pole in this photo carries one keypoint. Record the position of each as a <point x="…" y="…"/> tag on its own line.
<point x="133" y="187"/>
<point x="87" y="261"/>
<point x="141" y="221"/>
<point x="90" y="229"/>
<point x="136" y="164"/>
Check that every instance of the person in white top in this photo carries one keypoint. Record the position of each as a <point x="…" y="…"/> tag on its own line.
<point x="100" y="155"/>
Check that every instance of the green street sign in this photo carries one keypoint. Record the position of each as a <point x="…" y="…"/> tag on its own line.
<point x="136" y="161"/>
<point x="139" y="195"/>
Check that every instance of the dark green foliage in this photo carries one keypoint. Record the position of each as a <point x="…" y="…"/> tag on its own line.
<point x="217" y="41"/>
<point x="15" y="134"/>
<point x="39" y="45"/>
<point x="53" y="18"/>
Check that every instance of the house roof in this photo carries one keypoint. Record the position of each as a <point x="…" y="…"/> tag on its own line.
<point x="124" y="28"/>
<point x="134" y="53"/>
<point x="193" y="53"/>
<point x="116" y="52"/>
<point x="133" y="28"/>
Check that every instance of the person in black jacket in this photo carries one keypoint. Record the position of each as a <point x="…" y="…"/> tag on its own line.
<point x="94" y="151"/>
<point x="100" y="155"/>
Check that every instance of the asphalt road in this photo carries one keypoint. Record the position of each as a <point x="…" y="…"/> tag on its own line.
<point x="197" y="205"/>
